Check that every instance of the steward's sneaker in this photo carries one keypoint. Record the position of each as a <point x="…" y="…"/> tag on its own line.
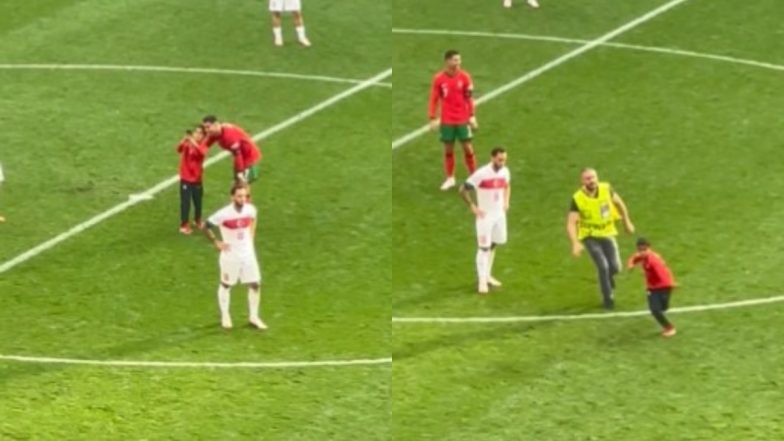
<point x="669" y="332"/>
<point x="186" y="230"/>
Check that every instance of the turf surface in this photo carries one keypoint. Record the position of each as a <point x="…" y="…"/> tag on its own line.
<point x="132" y="288"/>
<point x="690" y="144"/>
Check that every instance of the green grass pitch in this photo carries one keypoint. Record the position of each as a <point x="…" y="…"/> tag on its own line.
<point x="131" y="288"/>
<point x="693" y="147"/>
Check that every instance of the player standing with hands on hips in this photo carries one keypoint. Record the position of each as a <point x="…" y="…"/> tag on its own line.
<point x="594" y="209"/>
<point x="454" y="88"/>
<point x="492" y="185"/>
<point x="238" y="263"/>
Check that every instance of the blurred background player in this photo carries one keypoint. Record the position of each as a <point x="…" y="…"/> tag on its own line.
<point x="238" y="263"/>
<point x="235" y="140"/>
<point x="277" y="8"/>
<point x="531" y="3"/>
<point x="453" y="88"/>
<point x="594" y="209"/>
<point x="192" y="150"/>
<point x="659" y="281"/>
<point x="492" y="186"/>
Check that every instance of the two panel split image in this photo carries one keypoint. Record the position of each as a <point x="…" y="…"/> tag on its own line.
<point x="202" y="236"/>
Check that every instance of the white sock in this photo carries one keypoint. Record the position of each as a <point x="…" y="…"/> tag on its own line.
<point x="490" y="259"/>
<point x="254" y="300"/>
<point x="481" y="265"/>
<point x="224" y="297"/>
<point x="301" y="32"/>
<point x="278" y="33"/>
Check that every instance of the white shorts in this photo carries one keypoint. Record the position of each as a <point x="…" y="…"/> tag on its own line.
<point x="491" y="230"/>
<point x="242" y="269"/>
<point x="284" y="5"/>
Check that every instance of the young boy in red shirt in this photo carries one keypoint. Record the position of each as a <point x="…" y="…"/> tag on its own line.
<point x="659" y="281"/>
<point x="192" y="150"/>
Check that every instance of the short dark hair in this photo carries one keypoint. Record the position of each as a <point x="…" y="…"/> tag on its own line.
<point x="497" y="151"/>
<point x="450" y="53"/>
<point x="210" y="119"/>
<point x="239" y="186"/>
<point x="643" y="242"/>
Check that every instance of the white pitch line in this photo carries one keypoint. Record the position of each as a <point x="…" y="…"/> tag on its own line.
<point x="634" y="47"/>
<point x="591" y="316"/>
<point x="197" y="364"/>
<point x="589" y="45"/>
<point x="188" y="70"/>
<point x="149" y="193"/>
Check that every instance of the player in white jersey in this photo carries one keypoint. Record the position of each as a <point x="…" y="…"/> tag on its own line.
<point x="277" y="8"/>
<point x="492" y="185"/>
<point x="238" y="263"/>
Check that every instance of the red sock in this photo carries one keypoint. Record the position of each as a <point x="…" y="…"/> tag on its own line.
<point x="449" y="163"/>
<point x="470" y="160"/>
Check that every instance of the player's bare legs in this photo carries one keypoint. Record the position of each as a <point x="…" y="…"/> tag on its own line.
<point x="277" y="32"/>
<point x="531" y="3"/>
<point x="492" y="281"/>
<point x="224" y="299"/>
<point x="254" y="302"/>
<point x="299" y="25"/>
<point x="449" y="166"/>
<point x="482" y="269"/>
<point x="469" y="157"/>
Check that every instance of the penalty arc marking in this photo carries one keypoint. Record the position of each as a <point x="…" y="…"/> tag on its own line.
<point x="592" y="316"/>
<point x="198" y="364"/>
<point x="185" y="70"/>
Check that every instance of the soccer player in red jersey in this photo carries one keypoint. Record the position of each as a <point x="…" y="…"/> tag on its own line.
<point x="659" y="280"/>
<point x="232" y="138"/>
<point x="192" y="150"/>
<point x="453" y="88"/>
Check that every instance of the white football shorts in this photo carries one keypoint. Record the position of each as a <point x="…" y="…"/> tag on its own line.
<point x="491" y="230"/>
<point x="285" y="5"/>
<point x="239" y="269"/>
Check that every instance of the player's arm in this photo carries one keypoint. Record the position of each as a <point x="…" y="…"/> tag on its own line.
<point x="572" y="221"/>
<point x="469" y="98"/>
<point x="253" y="229"/>
<point x="435" y="96"/>
<point x="507" y="196"/>
<point x="624" y="212"/>
<point x="465" y="193"/>
<point x="213" y="238"/>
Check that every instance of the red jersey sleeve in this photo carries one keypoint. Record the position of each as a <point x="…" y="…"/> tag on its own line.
<point x="435" y="95"/>
<point x="182" y="146"/>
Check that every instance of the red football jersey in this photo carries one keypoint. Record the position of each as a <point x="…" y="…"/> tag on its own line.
<point x="247" y="152"/>
<point x="192" y="161"/>
<point x="455" y="93"/>
<point x="657" y="275"/>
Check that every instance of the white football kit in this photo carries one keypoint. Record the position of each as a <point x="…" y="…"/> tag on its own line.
<point x="491" y="187"/>
<point x="239" y="262"/>
<point x="285" y="5"/>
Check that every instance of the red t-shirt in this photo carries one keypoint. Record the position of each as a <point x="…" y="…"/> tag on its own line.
<point x="191" y="161"/>
<point x="455" y="93"/>
<point x="245" y="154"/>
<point x="657" y="275"/>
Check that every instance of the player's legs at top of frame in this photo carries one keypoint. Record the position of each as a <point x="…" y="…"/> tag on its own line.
<point x="277" y="8"/>
<point x="493" y="191"/>
<point x="452" y="90"/>
<point x="531" y="3"/>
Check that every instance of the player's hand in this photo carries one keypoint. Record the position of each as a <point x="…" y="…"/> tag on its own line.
<point x="434" y="123"/>
<point x="478" y="212"/>
<point x="577" y="249"/>
<point x="629" y="226"/>
<point x="221" y="246"/>
<point x="473" y="123"/>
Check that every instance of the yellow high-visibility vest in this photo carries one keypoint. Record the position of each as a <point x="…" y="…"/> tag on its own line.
<point x="597" y="214"/>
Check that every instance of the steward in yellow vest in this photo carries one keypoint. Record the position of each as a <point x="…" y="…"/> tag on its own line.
<point x="595" y="208"/>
